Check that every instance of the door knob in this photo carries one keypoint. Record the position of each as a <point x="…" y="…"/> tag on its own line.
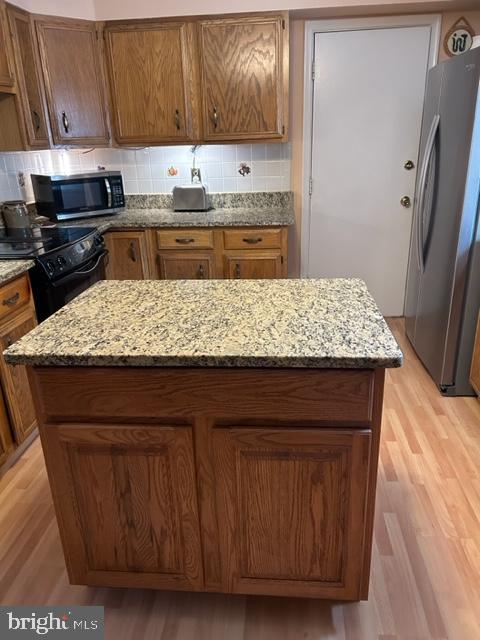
<point x="409" y="165"/>
<point x="405" y="202"/>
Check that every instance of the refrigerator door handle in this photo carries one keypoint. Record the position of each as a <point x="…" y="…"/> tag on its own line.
<point x="422" y="185"/>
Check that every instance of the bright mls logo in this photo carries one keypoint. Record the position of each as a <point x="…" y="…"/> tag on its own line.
<point x="24" y="623"/>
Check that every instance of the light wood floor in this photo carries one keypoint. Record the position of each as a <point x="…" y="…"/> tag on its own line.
<point x="426" y="558"/>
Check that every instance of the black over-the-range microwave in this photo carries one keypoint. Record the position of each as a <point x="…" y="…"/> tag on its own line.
<point x="79" y="195"/>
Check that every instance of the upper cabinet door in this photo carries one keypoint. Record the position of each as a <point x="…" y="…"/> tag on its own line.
<point x="72" y="68"/>
<point x="244" y="77"/>
<point x="30" y="82"/>
<point x="7" y="80"/>
<point x="153" y="82"/>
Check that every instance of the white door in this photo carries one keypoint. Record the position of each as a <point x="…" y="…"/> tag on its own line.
<point x="368" y="96"/>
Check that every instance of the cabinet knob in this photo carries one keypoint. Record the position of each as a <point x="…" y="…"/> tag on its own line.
<point x="66" y="124"/>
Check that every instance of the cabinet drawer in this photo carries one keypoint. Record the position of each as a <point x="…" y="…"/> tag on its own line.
<point x="185" y="239"/>
<point x="14" y="295"/>
<point x="252" y="238"/>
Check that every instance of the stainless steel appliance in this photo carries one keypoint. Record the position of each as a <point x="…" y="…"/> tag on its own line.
<point x="191" y="197"/>
<point x="68" y="260"/>
<point x="79" y="195"/>
<point x="15" y="214"/>
<point x="443" y="282"/>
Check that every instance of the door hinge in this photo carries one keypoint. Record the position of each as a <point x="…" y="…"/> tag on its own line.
<point x="310" y="186"/>
<point x="281" y="259"/>
<point x="284" y="26"/>
<point x="313" y="71"/>
<point x="283" y="130"/>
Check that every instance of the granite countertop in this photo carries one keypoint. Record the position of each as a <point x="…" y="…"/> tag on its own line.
<point x="145" y="218"/>
<point x="13" y="268"/>
<point x="226" y="323"/>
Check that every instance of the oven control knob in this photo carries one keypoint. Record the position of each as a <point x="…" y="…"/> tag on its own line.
<point x="98" y="240"/>
<point x="50" y="266"/>
<point x="61" y="262"/>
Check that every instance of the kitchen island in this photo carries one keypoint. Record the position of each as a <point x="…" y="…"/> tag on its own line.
<point x="214" y="435"/>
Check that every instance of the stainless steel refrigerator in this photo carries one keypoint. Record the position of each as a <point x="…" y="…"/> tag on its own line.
<point x="443" y="282"/>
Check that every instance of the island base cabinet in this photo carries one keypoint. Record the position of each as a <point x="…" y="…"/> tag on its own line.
<point x="254" y="481"/>
<point x="289" y="502"/>
<point x="132" y="518"/>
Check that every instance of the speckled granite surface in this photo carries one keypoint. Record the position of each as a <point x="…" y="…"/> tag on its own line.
<point x="225" y="323"/>
<point x="12" y="268"/>
<point x="227" y="200"/>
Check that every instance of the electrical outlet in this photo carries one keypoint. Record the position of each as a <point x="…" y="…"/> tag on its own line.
<point x="196" y="174"/>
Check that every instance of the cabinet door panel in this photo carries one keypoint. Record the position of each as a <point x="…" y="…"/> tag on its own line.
<point x="5" y="433"/>
<point x="150" y="75"/>
<point x="138" y="511"/>
<point x="72" y="69"/>
<point x="14" y="379"/>
<point x="185" y="265"/>
<point x="290" y="502"/>
<point x="29" y="78"/>
<point x="253" y="265"/>
<point x="242" y="77"/>
<point x="6" y="68"/>
<point x="128" y="255"/>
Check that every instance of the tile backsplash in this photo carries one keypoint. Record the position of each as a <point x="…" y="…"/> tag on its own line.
<point x="225" y="168"/>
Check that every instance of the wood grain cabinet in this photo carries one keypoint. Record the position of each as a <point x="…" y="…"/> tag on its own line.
<point x="251" y="265"/>
<point x="153" y="81"/>
<point x="29" y="79"/>
<point x="185" y="265"/>
<point x="138" y="512"/>
<point x="7" y="78"/>
<point x="475" y="369"/>
<point x="128" y="255"/>
<point x="6" y="442"/>
<point x="16" y="319"/>
<point x="287" y="500"/>
<point x="72" y="68"/>
<point x="244" y="76"/>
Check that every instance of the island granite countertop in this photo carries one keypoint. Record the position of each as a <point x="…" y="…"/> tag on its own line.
<point x="10" y="269"/>
<point x="332" y="323"/>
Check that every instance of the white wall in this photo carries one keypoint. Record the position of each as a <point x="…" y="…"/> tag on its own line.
<point x="146" y="170"/>
<point x="112" y="9"/>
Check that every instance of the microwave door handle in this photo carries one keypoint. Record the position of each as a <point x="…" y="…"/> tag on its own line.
<point x="109" y="192"/>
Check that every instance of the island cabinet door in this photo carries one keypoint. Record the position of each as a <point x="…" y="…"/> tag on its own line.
<point x="125" y="498"/>
<point x="291" y="504"/>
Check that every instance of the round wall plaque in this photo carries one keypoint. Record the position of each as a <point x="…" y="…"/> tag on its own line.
<point x="459" y="38"/>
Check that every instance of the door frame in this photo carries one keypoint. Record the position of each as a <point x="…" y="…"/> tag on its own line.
<point x="434" y="21"/>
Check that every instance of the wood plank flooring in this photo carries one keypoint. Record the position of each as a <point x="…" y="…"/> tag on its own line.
<point x="426" y="556"/>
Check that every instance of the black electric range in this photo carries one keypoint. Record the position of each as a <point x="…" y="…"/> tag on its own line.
<point x="68" y="260"/>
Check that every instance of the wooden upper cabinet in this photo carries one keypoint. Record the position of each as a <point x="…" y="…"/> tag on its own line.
<point x="244" y="71"/>
<point x="7" y="79"/>
<point x="29" y="78"/>
<point x="153" y="82"/>
<point x="72" y="68"/>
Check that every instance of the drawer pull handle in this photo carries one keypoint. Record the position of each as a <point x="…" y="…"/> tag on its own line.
<point x="66" y="124"/>
<point x="133" y="253"/>
<point x="215" y="118"/>
<point x="177" y="119"/>
<point x="36" y="120"/>
<point x="184" y="240"/>
<point x="9" y="302"/>
<point x="254" y="240"/>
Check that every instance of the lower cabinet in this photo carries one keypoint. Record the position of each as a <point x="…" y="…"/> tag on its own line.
<point x="137" y="513"/>
<point x="17" y="412"/>
<point x="253" y="265"/>
<point x="288" y="500"/>
<point x="185" y="265"/>
<point x="202" y="253"/>
<point x="128" y="255"/>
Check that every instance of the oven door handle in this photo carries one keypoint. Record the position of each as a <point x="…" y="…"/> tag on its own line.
<point x="78" y="274"/>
